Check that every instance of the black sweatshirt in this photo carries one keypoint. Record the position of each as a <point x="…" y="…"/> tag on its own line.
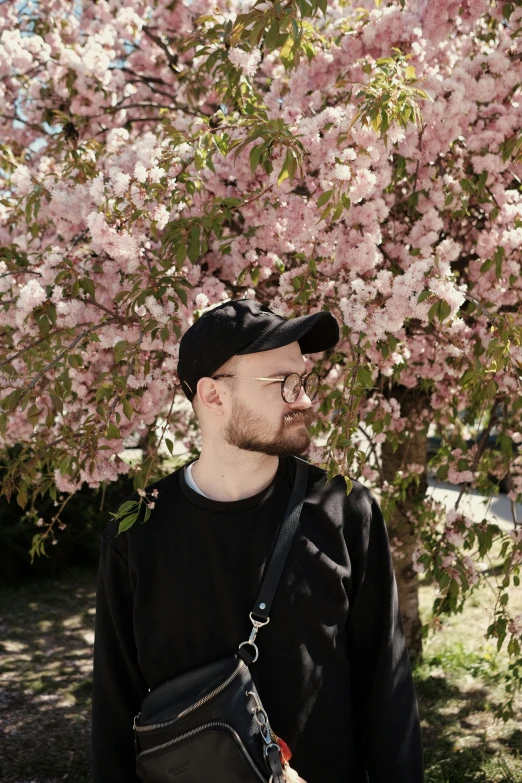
<point x="333" y="671"/>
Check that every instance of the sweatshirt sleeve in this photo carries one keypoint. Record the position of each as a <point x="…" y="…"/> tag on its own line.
<point x="118" y="684"/>
<point x="384" y="695"/>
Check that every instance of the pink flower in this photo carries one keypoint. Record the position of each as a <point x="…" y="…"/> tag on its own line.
<point x="245" y="61"/>
<point x="161" y="216"/>
<point x="31" y="296"/>
<point x="454" y="537"/>
<point x="140" y="172"/>
<point x="120" y="180"/>
<point x="156" y="173"/>
<point x="21" y="179"/>
<point x="201" y="301"/>
<point x="97" y="189"/>
<point x="342" y="171"/>
<point x="515" y="625"/>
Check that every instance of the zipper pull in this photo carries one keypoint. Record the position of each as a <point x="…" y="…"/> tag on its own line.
<point x="135" y="732"/>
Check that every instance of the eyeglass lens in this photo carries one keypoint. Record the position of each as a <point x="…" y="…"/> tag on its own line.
<point x="292" y="386"/>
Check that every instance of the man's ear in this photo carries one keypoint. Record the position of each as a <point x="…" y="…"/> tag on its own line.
<point x="210" y="393"/>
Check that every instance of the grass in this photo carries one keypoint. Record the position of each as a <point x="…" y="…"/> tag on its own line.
<point x="47" y="631"/>
<point x="458" y="686"/>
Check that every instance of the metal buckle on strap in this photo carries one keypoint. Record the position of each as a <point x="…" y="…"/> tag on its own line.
<point x="256" y="625"/>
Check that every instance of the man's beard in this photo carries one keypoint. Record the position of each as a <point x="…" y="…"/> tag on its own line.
<point x="246" y="430"/>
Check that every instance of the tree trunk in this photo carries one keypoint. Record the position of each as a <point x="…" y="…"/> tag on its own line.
<point x="401" y="531"/>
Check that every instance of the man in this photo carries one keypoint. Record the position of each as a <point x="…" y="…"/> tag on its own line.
<point x="175" y="593"/>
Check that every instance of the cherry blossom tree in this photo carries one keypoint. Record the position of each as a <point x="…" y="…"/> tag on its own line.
<point x="160" y="157"/>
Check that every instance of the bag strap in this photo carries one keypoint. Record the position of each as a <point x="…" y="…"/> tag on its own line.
<point x="260" y="615"/>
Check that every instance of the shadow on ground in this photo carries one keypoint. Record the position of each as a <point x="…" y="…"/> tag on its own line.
<point x="463" y="742"/>
<point x="47" y="632"/>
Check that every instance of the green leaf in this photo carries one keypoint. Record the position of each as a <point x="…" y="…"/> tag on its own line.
<point x="127" y="522"/>
<point x="181" y="252"/>
<point x="349" y="484"/>
<point x="230" y="201"/>
<point x="182" y="294"/>
<point x="325" y="212"/>
<point x="75" y="360"/>
<point x="364" y="377"/>
<point x="337" y="211"/>
<point x="88" y="287"/>
<point x="433" y="311"/>
<point x="323" y="6"/>
<point x="128" y="410"/>
<point x="43" y="325"/>
<point x="103" y="391"/>
<point x="194" y="243"/>
<point x="10" y="402"/>
<point x="51" y="314"/>
<point x="272" y="37"/>
<point x="33" y="414"/>
<point x="170" y="445"/>
<point x="124" y="509"/>
<point x="482" y="181"/>
<point x="22" y="498"/>
<point x="423" y="295"/>
<point x="113" y="431"/>
<point x="254" y="157"/>
<point x="499" y="255"/>
<point x="324" y="198"/>
<point x="444" y="310"/>
<point x="490" y="388"/>
<point x="289" y="167"/>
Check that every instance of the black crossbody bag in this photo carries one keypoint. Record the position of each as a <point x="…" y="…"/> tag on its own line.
<point x="208" y="725"/>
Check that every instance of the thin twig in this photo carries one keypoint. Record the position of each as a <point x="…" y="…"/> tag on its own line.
<point x="127" y="374"/>
<point x="62" y="353"/>
<point x="37" y="342"/>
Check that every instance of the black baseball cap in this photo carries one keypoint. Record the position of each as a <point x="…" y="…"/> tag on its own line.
<point x="246" y="326"/>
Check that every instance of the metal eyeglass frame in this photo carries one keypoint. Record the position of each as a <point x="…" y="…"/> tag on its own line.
<point x="303" y="379"/>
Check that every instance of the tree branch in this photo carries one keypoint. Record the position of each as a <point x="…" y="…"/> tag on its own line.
<point x="60" y="356"/>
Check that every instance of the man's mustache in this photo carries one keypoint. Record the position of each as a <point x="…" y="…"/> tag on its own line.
<point x="306" y="417"/>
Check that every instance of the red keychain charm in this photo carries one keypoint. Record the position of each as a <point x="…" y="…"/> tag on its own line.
<point x="290" y="774"/>
<point x="285" y="750"/>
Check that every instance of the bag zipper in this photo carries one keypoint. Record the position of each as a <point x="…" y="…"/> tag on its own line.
<point x="192" y="707"/>
<point x="211" y="724"/>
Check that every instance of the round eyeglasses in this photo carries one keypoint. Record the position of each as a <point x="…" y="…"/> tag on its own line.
<point x="290" y="385"/>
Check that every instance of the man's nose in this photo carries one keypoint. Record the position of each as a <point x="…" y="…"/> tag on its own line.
<point x="303" y="401"/>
